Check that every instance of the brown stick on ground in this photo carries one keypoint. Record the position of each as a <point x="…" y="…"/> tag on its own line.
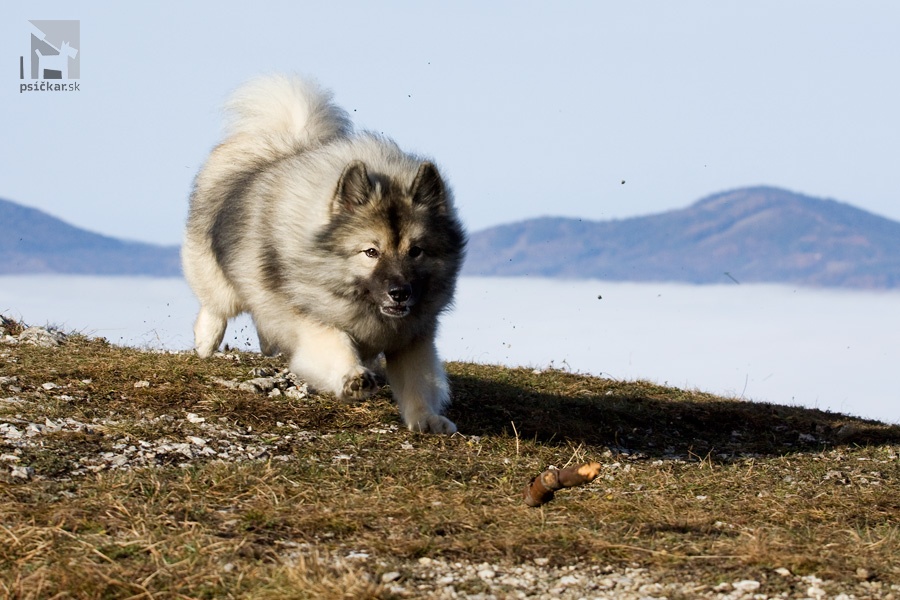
<point x="540" y="489"/>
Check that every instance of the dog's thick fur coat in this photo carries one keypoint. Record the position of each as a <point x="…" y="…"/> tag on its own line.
<point x="341" y="246"/>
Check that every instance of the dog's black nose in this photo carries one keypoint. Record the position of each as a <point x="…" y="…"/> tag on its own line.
<point x="400" y="293"/>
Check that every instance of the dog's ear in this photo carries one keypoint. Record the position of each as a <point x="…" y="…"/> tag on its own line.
<point x="428" y="188"/>
<point x="354" y="188"/>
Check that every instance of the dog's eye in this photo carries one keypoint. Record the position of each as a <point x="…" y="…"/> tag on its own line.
<point x="371" y="253"/>
<point x="415" y="252"/>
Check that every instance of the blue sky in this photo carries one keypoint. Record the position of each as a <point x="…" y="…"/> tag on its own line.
<point x="531" y="108"/>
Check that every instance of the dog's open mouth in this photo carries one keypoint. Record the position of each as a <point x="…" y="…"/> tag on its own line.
<point x="395" y="310"/>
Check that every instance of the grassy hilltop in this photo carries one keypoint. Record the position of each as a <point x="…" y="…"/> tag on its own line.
<point x="134" y="474"/>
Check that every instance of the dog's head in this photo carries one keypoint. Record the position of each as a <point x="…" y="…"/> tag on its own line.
<point x="402" y="243"/>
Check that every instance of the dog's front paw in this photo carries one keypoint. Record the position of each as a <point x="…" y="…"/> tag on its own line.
<point x="360" y="386"/>
<point x="433" y="424"/>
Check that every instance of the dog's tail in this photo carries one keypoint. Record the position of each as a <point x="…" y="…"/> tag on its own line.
<point x="281" y="114"/>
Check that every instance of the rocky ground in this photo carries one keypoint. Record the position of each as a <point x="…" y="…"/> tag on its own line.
<point x="183" y="439"/>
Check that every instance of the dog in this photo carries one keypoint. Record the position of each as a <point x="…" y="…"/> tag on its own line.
<point x="55" y="62"/>
<point x="344" y="249"/>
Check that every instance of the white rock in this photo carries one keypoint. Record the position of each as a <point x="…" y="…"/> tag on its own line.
<point x="142" y="384"/>
<point x="722" y="587"/>
<point x="194" y="418"/>
<point x="183" y="449"/>
<point x="258" y="385"/>
<point x="606" y="583"/>
<point x="297" y="393"/>
<point x="22" y="472"/>
<point x="41" y="337"/>
<point x="254" y="453"/>
<point x="9" y="431"/>
<point x="390" y="576"/>
<point x="746" y="585"/>
<point x="49" y="385"/>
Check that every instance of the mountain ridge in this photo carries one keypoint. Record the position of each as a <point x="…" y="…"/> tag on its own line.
<point x="757" y="234"/>
<point x="34" y="242"/>
<point x="754" y="234"/>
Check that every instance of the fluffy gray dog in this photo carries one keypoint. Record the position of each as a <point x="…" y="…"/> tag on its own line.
<point x="341" y="246"/>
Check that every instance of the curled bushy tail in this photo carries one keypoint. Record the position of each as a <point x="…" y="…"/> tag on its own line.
<point x="283" y="114"/>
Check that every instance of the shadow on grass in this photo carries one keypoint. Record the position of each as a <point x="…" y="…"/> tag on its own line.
<point x="639" y="417"/>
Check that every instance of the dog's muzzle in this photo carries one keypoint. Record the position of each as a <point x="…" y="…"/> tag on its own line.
<point x="400" y="301"/>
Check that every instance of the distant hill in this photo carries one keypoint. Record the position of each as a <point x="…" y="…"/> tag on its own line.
<point x="32" y="241"/>
<point x="759" y="234"/>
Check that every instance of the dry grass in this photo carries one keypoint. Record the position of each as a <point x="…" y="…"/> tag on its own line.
<point x="694" y="486"/>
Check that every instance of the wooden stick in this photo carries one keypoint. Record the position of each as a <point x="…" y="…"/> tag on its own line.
<point x="540" y="490"/>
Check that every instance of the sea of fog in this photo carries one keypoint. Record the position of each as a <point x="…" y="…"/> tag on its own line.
<point x="829" y="349"/>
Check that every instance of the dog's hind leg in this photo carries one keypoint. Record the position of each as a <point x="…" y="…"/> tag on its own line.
<point x="209" y="329"/>
<point x="267" y="346"/>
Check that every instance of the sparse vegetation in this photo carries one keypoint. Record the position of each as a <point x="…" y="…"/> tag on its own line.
<point x="182" y="487"/>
